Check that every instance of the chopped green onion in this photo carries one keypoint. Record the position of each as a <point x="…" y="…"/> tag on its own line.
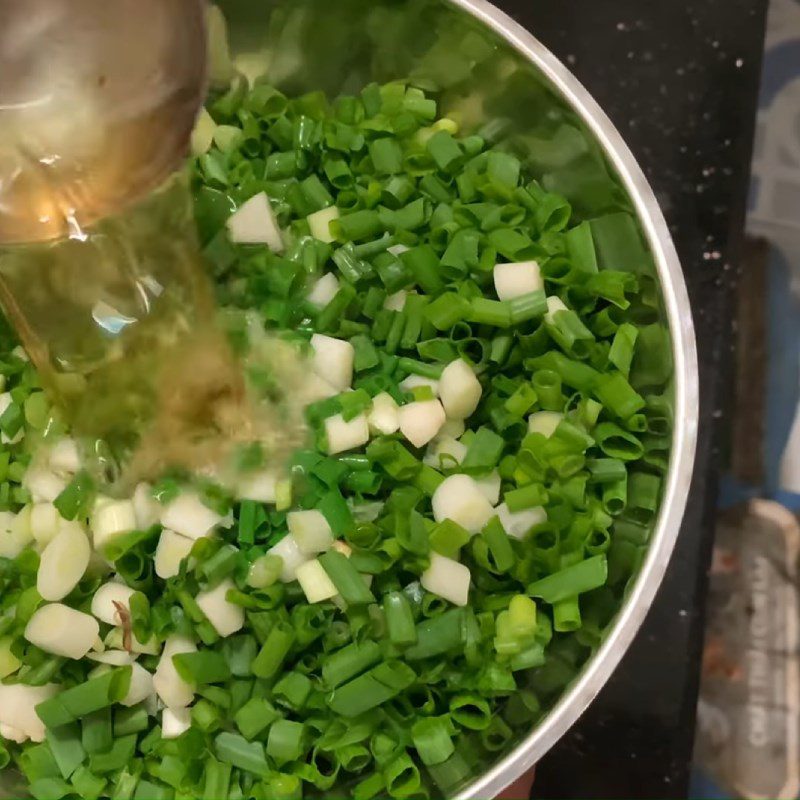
<point x="346" y="578"/>
<point x="85" y="698"/>
<point x="96" y="731"/>
<point x="432" y="739"/>
<point x="254" y="716"/>
<point x="274" y="650"/>
<point x="233" y="749"/>
<point x="489" y="312"/>
<point x="437" y="636"/>
<point x="65" y="745"/>
<point x="204" y="666"/>
<point x="285" y="742"/>
<point x="77" y="497"/>
<point x="572" y="581"/>
<point x="399" y="619"/>
<point x="371" y="689"/>
<point x="348" y="662"/>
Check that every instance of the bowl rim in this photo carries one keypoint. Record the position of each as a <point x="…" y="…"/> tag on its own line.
<point x="686" y="388"/>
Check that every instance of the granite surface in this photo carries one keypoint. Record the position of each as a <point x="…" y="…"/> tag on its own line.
<point x="680" y="81"/>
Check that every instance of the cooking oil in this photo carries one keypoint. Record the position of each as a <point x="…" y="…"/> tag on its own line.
<point x="100" y="269"/>
<point x="120" y="320"/>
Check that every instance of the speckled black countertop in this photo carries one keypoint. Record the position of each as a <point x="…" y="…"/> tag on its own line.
<point x="680" y="81"/>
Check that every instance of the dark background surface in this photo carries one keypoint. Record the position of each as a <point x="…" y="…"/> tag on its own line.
<point x="680" y="81"/>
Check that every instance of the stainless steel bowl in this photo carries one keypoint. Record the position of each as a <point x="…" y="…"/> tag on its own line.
<point x="493" y="74"/>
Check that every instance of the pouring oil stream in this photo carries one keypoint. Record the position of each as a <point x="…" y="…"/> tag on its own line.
<point x="100" y="270"/>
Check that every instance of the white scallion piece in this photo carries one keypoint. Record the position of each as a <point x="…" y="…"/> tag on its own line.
<point x="514" y="280"/>
<point x="310" y="530"/>
<point x="146" y="508"/>
<point x="175" y="722"/>
<point x="254" y="223"/>
<point x="173" y="690"/>
<point x="412" y="382"/>
<point x="333" y="360"/>
<point x="343" y="548"/>
<point x="396" y="301"/>
<point x="9" y="663"/>
<point x="107" y="598"/>
<point x="323" y="290"/>
<point x="114" y="658"/>
<point x="263" y="572"/>
<point x="384" y="417"/>
<point x="544" y="422"/>
<point x="12" y="734"/>
<point x="459" y="499"/>
<point x="73" y="525"/>
<point x="453" y="429"/>
<point x="283" y="494"/>
<point x="554" y="305"/>
<point x="342" y="435"/>
<point x="319" y="223"/>
<point x="64" y="456"/>
<point x="15" y="532"/>
<point x="444" y="452"/>
<point x="291" y="557"/>
<point x="43" y="484"/>
<point x="62" y="631"/>
<point x="490" y="486"/>
<point x="421" y="420"/>
<point x="63" y="563"/>
<point x="189" y="516"/>
<point x="397" y="249"/>
<point x="447" y="578"/>
<point x="110" y="519"/>
<point x="141" y="686"/>
<point x="314" y="388"/>
<point x="202" y="133"/>
<point x="226" y="617"/>
<point x="459" y="389"/>
<point x="44" y="522"/>
<point x="314" y="582"/>
<point x="172" y="548"/>
<point x="18" y="709"/>
<point x="259" y="485"/>
<point x="518" y="523"/>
